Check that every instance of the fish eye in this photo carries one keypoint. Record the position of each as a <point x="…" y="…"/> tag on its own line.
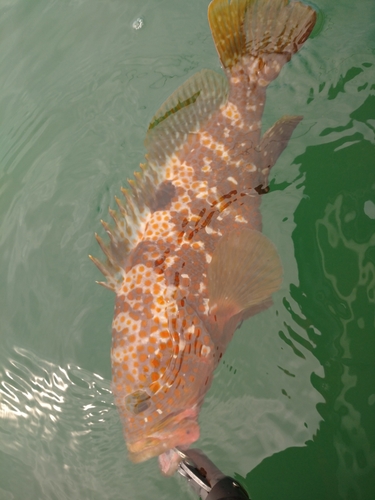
<point x="137" y="402"/>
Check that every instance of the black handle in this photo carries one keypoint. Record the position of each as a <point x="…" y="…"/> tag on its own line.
<point x="227" y="489"/>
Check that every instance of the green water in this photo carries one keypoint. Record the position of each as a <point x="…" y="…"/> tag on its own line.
<point x="291" y="412"/>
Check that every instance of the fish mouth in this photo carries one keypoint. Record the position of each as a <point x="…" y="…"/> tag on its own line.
<point x="178" y="430"/>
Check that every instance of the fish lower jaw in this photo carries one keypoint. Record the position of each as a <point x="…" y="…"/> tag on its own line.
<point x="183" y="434"/>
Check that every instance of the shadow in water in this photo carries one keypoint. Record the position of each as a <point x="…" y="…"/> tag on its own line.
<point x="334" y="243"/>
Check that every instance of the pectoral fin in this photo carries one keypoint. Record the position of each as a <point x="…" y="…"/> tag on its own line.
<point x="244" y="273"/>
<point x="275" y="140"/>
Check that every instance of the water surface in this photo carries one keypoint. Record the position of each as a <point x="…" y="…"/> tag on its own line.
<point x="291" y="410"/>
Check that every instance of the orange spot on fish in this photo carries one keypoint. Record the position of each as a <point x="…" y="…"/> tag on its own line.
<point x="154" y="388"/>
<point x="155" y="363"/>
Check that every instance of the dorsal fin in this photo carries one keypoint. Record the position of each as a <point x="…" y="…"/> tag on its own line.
<point x="184" y="112"/>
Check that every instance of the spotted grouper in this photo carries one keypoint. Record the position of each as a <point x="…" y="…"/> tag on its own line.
<point x="186" y="257"/>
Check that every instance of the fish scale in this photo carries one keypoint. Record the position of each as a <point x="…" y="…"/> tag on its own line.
<point x="186" y="256"/>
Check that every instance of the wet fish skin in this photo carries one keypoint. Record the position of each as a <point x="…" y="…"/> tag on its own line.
<point x="186" y="258"/>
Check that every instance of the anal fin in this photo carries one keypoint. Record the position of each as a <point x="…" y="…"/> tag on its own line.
<point x="244" y="273"/>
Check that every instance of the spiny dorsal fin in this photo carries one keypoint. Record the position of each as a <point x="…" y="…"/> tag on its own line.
<point x="244" y="272"/>
<point x="184" y="112"/>
<point x="258" y="27"/>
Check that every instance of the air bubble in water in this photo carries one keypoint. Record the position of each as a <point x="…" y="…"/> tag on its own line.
<point x="138" y="23"/>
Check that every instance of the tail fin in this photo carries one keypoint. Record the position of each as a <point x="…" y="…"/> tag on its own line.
<point x="258" y="28"/>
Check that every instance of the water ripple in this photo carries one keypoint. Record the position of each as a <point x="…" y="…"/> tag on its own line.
<point x="56" y="419"/>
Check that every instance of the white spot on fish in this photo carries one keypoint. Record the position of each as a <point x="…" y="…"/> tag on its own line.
<point x="232" y="179"/>
<point x="205" y="351"/>
<point x="209" y="230"/>
<point x="182" y="342"/>
<point x="239" y="218"/>
<point x="202" y="195"/>
<point x="208" y="258"/>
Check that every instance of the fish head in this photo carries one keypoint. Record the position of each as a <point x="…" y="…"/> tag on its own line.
<point x="177" y="429"/>
<point x="163" y="360"/>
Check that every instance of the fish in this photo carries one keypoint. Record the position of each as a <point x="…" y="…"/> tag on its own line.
<point x="186" y="255"/>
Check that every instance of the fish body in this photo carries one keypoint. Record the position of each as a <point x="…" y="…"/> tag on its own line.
<point x="186" y="258"/>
